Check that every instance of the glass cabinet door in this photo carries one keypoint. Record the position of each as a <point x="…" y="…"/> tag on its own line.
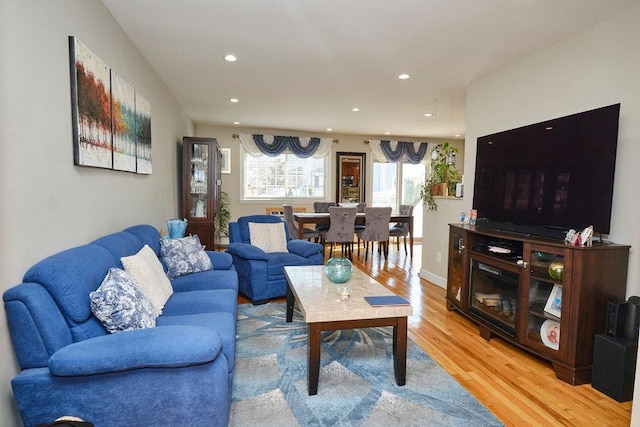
<point x="546" y="290"/>
<point x="199" y="182"/>
<point x="456" y="275"/>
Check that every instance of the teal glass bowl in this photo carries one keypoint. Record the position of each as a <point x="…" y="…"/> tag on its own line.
<point x="338" y="270"/>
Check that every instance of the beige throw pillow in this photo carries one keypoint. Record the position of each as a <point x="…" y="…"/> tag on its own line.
<point x="150" y="276"/>
<point x="270" y="237"/>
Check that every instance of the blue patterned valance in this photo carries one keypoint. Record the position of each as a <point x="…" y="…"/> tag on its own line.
<point x="273" y="146"/>
<point x="385" y="151"/>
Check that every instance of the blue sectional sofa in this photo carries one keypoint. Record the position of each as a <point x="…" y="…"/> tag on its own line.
<point x="179" y="372"/>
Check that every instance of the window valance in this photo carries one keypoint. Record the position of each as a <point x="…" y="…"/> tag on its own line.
<point x="398" y="151"/>
<point x="272" y="146"/>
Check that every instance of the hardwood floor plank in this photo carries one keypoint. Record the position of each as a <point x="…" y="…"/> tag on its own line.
<point x="518" y="388"/>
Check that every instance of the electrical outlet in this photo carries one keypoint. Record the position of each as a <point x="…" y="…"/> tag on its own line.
<point x="438" y="256"/>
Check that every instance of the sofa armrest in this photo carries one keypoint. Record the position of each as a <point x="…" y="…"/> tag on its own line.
<point x="159" y="347"/>
<point x="303" y="248"/>
<point x="245" y="250"/>
<point x="220" y="260"/>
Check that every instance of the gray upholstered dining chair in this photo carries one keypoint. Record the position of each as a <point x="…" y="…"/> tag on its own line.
<point x="322" y="207"/>
<point x="307" y="233"/>
<point x="401" y="229"/>
<point x="340" y="229"/>
<point x="376" y="229"/>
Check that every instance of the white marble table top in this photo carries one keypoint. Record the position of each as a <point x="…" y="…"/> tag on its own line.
<point x="319" y="299"/>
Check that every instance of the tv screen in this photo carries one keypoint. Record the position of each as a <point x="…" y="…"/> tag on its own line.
<point x="546" y="178"/>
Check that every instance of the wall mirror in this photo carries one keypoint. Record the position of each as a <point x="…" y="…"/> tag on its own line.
<point x="350" y="177"/>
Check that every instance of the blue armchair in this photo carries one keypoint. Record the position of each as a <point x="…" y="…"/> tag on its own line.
<point x="261" y="274"/>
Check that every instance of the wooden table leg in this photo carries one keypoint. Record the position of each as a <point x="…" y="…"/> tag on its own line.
<point x="290" y="302"/>
<point x="313" y="360"/>
<point x="400" y="350"/>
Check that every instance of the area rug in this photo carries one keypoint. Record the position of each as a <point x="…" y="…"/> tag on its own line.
<point x="356" y="385"/>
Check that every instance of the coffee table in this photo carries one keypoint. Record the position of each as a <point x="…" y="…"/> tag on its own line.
<point x="323" y="310"/>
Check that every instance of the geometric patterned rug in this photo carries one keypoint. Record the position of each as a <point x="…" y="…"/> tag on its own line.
<point x="356" y="386"/>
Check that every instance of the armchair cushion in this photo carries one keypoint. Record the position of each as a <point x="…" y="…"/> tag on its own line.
<point x="245" y="250"/>
<point x="304" y="248"/>
<point x="268" y="237"/>
<point x="166" y="347"/>
<point x="184" y="256"/>
<point x="120" y="305"/>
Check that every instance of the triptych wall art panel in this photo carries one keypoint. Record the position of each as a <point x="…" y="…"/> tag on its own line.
<point x="111" y="121"/>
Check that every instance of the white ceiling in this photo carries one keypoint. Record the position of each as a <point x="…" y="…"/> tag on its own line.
<point x="304" y="64"/>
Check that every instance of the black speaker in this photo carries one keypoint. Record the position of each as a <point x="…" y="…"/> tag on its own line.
<point x="632" y="319"/>
<point x="616" y="311"/>
<point x="614" y="367"/>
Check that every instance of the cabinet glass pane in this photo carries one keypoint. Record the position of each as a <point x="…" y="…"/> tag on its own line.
<point x="455" y="265"/>
<point x="545" y="299"/>
<point x="199" y="180"/>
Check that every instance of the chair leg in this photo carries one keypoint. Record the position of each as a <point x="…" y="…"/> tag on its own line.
<point x="405" y="245"/>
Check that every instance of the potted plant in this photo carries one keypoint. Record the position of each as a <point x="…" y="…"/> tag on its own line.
<point x="443" y="175"/>
<point x="224" y="215"/>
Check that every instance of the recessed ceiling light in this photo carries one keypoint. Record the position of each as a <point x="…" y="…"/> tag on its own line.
<point x="230" y="58"/>
<point x="428" y="114"/>
<point x="356" y="109"/>
<point x="234" y="100"/>
<point x="387" y="133"/>
<point x="236" y="123"/>
<point x="404" y="76"/>
<point x="329" y="129"/>
<point x="457" y="135"/>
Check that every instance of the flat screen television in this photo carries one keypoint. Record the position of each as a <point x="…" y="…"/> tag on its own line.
<point x="546" y="178"/>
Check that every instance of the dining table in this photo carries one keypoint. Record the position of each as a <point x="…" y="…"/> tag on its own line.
<point x="303" y="218"/>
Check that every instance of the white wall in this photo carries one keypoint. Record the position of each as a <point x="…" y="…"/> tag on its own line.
<point x="46" y="203"/>
<point x="596" y="67"/>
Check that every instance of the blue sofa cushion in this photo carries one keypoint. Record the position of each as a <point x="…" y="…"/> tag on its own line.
<point x="121" y="305"/>
<point x="221" y="323"/>
<point x="120" y="245"/>
<point x="70" y="276"/>
<point x="165" y="347"/>
<point x="277" y="261"/>
<point x="184" y="256"/>
<point x="210" y="279"/>
<point x="148" y="235"/>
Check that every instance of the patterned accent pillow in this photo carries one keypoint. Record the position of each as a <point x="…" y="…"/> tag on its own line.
<point x="184" y="256"/>
<point x="270" y="237"/>
<point x="120" y="304"/>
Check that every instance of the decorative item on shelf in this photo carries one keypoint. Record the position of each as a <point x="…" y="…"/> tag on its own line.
<point x="555" y="270"/>
<point x="338" y="270"/>
<point x="345" y="293"/>
<point x="544" y="256"/>
<point x="550" y="334"/>
<point x="554" y="302"/>
<point x="177" y="228"/>
<point x="443" y="177"/>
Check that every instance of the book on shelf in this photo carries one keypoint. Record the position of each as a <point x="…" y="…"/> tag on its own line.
<point x="385" y="300"/>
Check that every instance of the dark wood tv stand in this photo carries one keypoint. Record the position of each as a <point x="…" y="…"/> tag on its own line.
<point x="511" y="286"/>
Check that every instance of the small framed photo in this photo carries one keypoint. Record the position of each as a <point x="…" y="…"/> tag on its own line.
<point x="225" y="164"/>
<point x="554" y="302"/>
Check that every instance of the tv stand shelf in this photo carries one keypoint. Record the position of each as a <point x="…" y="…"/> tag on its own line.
<point x="541" y="295"/>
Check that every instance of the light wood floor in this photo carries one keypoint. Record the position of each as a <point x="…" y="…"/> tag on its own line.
<point x="519" y="389"/>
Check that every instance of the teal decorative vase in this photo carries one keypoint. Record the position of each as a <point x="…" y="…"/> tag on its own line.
<point x="338" y="270"/>
<point x="177" y="228"/>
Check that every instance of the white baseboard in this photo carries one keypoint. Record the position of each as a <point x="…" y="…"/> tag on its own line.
<point x="433" y="278"/>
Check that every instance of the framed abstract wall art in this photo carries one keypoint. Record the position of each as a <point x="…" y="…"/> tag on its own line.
<point x="111" y="120"/>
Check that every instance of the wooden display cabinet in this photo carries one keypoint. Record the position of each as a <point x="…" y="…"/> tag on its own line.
<point x="201" y="182"/>
<point x="541" y="295"/>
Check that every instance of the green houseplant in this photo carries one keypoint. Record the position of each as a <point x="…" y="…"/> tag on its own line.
<point x="224" y="215"/>
<point x="443" y="176"/>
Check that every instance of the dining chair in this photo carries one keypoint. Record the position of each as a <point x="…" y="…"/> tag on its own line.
<point x="401" y="229"/>
<point x="342" y="221"/>
<point x="376" y="229"/>
<point x="307" y="233"/>
<point x="322" y="207"/>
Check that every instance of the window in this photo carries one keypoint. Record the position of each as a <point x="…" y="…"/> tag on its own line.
<point x="283" y="177"/>
<point x="399" y="183"/>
